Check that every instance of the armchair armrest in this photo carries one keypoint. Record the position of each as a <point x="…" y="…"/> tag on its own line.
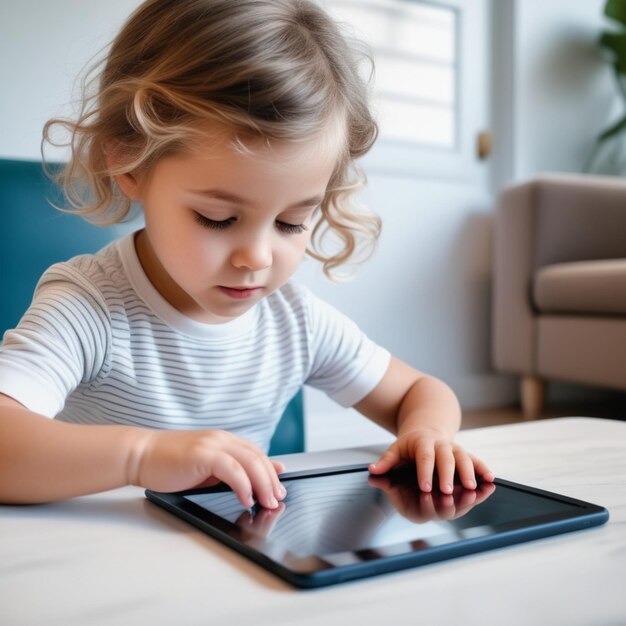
<point x="513" y="265"/>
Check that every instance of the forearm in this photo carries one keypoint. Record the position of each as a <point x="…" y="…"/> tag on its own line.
<point x="429" y="404"/>
<point x="42" y="460"/>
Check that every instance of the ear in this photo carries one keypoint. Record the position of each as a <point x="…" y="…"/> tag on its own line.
<point x="129" y="184"/>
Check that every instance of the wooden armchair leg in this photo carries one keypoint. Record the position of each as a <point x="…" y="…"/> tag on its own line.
<point x="532" y="391"/>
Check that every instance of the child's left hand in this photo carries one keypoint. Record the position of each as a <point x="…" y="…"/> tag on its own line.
<point x="429" y="450"/>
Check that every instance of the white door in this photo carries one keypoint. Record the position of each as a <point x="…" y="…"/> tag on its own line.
<point x="425" y="294"/>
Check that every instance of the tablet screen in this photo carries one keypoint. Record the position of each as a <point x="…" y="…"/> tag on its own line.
<point x="342" y="523"/>
<point x="355" y="513"/>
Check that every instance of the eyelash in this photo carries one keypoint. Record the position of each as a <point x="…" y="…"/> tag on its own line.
<point x="284" y="227"/>
<point x="214" y="224"/>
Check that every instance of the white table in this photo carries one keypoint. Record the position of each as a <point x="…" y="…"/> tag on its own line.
<point x="115" y="558"/>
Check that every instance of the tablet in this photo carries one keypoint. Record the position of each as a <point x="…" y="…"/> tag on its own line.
<point x="342" y="523"/>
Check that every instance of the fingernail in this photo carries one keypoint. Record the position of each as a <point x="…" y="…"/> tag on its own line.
<point x="282" y="492"/>
<point x="372" y="466"/>
<point x="472" y="484"/>
<point x="427" y="486"/>
<point x="448" y="488"/>
<point x="250" y="500"/>
<point x="273" y="502"/>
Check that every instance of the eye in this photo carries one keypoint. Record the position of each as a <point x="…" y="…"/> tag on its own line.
<point x="214" y="224"/>
<point x="290" y="229"/>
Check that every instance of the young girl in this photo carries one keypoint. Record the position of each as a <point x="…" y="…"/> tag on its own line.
<point x="168" y="357"/>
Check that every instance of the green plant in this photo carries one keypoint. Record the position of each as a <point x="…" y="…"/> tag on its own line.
<point x="615" y="42"/>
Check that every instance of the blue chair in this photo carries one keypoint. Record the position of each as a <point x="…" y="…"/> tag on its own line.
<point x="35" y="235"/>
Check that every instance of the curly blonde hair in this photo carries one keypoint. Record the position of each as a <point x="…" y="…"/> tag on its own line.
<point x="266" y="69"/>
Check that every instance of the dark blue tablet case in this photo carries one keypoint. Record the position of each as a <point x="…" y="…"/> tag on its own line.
<point x="489" y="529"/>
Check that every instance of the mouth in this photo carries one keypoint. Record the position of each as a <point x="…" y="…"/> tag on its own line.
<point x="239" y="293"/>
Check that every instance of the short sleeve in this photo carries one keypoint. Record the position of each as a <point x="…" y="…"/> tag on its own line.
<point x="346" y="364"/>
<point x="60" y="342"/>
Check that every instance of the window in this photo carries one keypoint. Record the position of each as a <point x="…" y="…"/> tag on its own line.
<point x="414" y="45"/>
<point x="431" y="83"/>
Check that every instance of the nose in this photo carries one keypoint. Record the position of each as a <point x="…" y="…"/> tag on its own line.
<point x="254" y="254"/>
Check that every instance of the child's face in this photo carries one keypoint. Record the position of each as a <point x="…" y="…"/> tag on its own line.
<point x="224" y="229"/>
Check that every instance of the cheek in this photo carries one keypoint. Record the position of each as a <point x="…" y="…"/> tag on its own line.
<point x="199" y="251"/>
<point x="294" y="249"/>
<point x="180" y="247"/>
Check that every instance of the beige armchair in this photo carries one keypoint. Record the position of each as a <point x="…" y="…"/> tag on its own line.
<point x="559" y="299"/>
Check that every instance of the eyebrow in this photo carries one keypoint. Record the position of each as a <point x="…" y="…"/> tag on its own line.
<point x="219" y="194"/>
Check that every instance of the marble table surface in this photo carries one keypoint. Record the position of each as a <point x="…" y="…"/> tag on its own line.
<point x="114" y="558"/>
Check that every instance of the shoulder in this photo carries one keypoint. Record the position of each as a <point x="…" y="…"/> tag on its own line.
<point x="87" y="269"/>
<point x="312" y="313"/>
<point x="93" y="279"/>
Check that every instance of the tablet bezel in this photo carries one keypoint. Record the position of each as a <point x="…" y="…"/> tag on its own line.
<point x="315" y="571"/>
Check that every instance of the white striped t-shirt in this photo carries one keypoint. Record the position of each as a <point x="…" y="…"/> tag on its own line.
<point x="100" y="345"/>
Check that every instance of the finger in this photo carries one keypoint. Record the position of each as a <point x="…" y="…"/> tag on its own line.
<point x="263" y="472"/>
<point x="465" y="468"/>
<point x="425" y="465"/>
<point x="278" y="466"/>
<point x="445" y="467"/>
<point x="227" y="469"/>
<point x="388" y="460"/>
<point x="480" y="467"/>
<point x="264" y="479"/>
<point x="260" y="472"/>
<point x="277" y="487"/>
<point x="281" y="490"/>
<point x="273" y="468"/>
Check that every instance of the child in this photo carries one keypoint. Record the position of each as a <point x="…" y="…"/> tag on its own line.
<point x="168" y="357"/>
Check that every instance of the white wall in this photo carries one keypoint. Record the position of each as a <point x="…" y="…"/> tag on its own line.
<point x="426" y="293"/>
<point x="554" y="90"/>
<point x="43" y="47"/>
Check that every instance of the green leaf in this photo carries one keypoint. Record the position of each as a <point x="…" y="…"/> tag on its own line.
<point x="613" y="130"/>
<point x="616" y="9"/>
<point x="616" y="43"/>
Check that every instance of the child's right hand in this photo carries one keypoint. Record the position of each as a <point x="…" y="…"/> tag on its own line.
<point x="165" y="460"/>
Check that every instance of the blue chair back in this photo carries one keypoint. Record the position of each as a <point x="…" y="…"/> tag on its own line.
<point x="35" y="235"/>
<point x="289" y="434"/>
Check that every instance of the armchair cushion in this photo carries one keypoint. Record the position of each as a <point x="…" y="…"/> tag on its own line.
<point x="582" y="287"/>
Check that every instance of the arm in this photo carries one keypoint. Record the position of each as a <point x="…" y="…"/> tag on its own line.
<point x="43" y="460"/>
<point x="425" y="415"/>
